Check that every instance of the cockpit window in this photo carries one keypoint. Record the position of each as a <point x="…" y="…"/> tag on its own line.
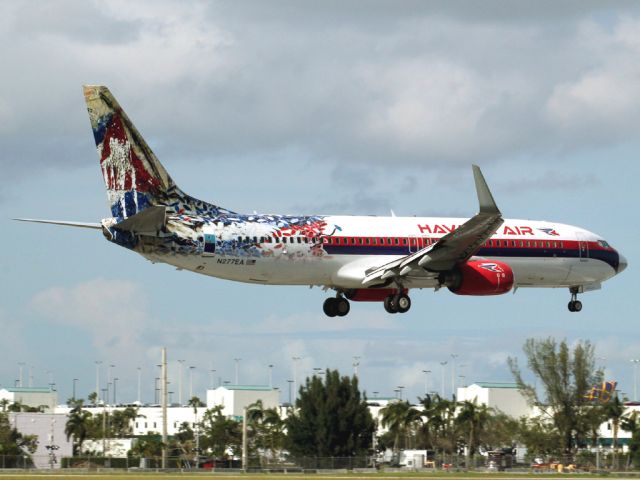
<point x="604" y="244"/>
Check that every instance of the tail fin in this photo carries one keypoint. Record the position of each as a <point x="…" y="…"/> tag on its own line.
<point x="134" y="177"/>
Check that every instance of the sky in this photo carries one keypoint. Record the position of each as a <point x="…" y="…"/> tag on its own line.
<point x="307" y="107"/>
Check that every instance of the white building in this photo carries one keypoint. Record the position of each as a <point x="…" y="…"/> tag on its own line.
<point x="234" y="398"/>
<point x="504" y="397"/>
<point x="34" y="397"/>
<point x="49" y="428"/>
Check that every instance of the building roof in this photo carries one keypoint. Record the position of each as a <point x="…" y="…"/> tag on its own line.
<point x="28" y="389"/>
<point x="496" y="384"/>
<point x="255" y="388"/>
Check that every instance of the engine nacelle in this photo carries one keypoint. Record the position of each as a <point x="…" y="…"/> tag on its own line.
<point x="480" y="277"/>
<point x="370" y="294"/>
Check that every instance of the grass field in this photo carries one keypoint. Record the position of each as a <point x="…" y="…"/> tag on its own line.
<point x="256" y="476"/>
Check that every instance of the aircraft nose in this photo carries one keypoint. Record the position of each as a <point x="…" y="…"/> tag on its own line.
<point x="622" y="263"/>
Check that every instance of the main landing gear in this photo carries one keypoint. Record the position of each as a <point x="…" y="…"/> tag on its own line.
<point x="399" y="303"/>
<point x="336" y="306"/>
<point x="575" y="305"/>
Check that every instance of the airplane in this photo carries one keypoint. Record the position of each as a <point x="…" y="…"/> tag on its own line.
<point x="360" y="258"/>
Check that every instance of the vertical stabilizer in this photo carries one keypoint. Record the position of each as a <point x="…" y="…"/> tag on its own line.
<point x="134" y="177"/>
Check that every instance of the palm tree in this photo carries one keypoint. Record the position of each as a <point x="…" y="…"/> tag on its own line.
<point x="195" y="402"/>
<point x="401" y="419"/>
<point x="472" y="418"/>
<point x="614" y="411"/>
<point x="77" y="425"/>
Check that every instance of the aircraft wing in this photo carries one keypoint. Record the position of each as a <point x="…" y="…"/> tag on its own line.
<point x="455" y="247"/>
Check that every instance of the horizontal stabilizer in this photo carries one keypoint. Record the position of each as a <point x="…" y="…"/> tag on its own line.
<point x="150" y="220"/>
<point x="95" y="226"/>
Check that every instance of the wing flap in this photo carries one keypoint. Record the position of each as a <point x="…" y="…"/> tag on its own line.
<point x="453" y="248"/>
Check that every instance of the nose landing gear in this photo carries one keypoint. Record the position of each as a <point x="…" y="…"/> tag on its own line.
<point x="575" y="305"/>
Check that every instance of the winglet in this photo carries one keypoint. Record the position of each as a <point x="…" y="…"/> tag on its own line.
<point x="485" y="199"/>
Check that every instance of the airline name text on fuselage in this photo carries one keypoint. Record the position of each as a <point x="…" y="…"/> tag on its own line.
<point x="444" y="229"/>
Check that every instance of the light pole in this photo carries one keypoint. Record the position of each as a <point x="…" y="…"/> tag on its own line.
<point x="237" y="360"/>
<point x="115" y="381"/>
<point x="109" y="376"/>
<point x="453" y="373"/>
<point x="191" y="369"/>
<point x="635" y="362"/>
<point x="426" y="381"/>
<point x="270" y="375"/>
<point x="295" y="375"/>
<point x="443" y="364"/>
<point x="211" y="378"/>
<point x="156" y="396"/>
<point x="356" y="363"/>
<point x="30" y="375"/>
<point x="400" y="389"/>
<point x="20" y="365"/>
<point x="139" y="383"/>
<point x="462" y="382"/>
<point x="290" y="382"/>
<point x="180" y="364"/>
<point x="98" y="363"/>
<point x="74" y="388"/>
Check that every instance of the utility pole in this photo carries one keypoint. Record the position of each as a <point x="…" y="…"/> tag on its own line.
<point x="356" y="363"/>
<point x="270" y="376"/>
<point x="164" y="407"/>
<point x="139" y="382"/>
<point x="191" y="369"/>
<point x="74" y="388"/>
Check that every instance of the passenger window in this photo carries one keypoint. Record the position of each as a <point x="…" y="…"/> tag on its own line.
<point x="404" y="241"/>
<point x="521" y="243"/>
<point x="367" y="241"/>
<point x="548" y="244"/>
<point x="240" y="239"/>
<point x="299" y="240"/>
<point x="396" y="241"/>
<point x="360" y="241"/>
<point x="528" y="244"/>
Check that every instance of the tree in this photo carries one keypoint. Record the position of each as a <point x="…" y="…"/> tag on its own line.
<point x="402" y="420"/>
<point x="565" y="377"/>
<point x="13" y="444"/>
<point x="439" y="430"/>
<point x="219" y="433"/>
<point x="331" y="419"/>
<point x="473" y="419"/>
<point x="266" y="429"/>
<point x="631" y="424"/>
<point x="77" y="425"/>
<point x="614" y="411"/>
<point x="93" y="398"/>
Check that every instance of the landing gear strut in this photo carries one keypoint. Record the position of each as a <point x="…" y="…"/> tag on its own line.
<point x="336" y="306"/>
<point x="575" y="305"/>
<point x="399" y="303"/>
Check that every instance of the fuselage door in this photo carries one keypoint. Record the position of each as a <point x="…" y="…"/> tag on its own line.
<point x="413" y="244"/>
<point x="209" y="245"/>
<point x="583" y="247"/>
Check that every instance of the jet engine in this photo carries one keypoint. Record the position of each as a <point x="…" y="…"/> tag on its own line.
<point x="479" y="277"/>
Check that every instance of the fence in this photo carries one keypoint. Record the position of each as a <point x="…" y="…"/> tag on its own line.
<point x="439" y="461"/>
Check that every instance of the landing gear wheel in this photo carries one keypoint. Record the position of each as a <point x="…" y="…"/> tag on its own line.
<point x="403" y="303"/>
<point x="575" y="305"/>
<point x="330" y="307"/>
<point x="342" y="306"/>
<point x="390" y="304"/>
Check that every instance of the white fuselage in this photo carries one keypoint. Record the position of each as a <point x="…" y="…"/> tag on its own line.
<point x="541" y="254"/>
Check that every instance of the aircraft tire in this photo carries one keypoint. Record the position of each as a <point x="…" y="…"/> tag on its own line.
<point x="577" y="306"/>
<point x="403" y="303"/>
<point x="342" y="306"/>
<point x="390" y="304"/>
<point x="330" y="307"/>
<point x="570" y="306"/>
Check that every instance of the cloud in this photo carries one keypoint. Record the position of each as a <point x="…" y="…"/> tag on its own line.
<point x="387" y="84"/>
<point x="114" y="312"/>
